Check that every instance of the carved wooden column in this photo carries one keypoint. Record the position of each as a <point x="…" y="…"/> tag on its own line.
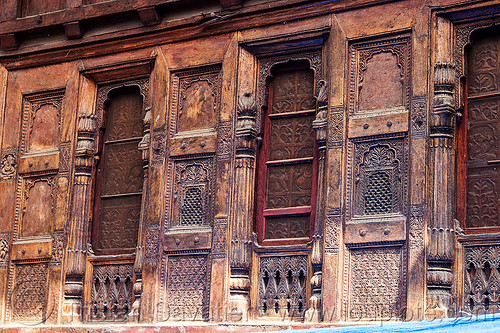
<point x="240" y="261"/>
<point x="319" y="124"/>
<point x="78" y="229"/>
<point x="139" y="251"/>
<point x="440" y="250"/>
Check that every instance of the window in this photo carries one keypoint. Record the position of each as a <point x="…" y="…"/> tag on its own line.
<point x="119" y="174"/>
<point x="479" y="150"/>
<point x="286" y="181"/>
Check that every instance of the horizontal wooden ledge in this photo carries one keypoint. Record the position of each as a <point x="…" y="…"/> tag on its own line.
<point x="288" y="211"/>
<point x="292" y="114"/>
<point x="290" y="161"/>
<point x="483" y="95"/>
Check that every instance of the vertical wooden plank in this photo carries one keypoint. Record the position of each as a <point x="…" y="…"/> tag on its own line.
<point x="219" y="280"/>
<point x="160" y="85"/>
<point x="417" y="167"/>
<point x="332" y="263"/>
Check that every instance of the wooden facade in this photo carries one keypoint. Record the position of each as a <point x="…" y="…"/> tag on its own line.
<point x="248" y="161"/>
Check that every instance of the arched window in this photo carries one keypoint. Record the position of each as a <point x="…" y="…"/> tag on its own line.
<point x="479" y="137"/>
<point x="119" y="178"/>
<point x="286" y="177"/>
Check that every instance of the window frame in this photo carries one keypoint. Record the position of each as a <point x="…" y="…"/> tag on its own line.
<point x="261" y="213"/>
<point x="99" y="176"/>
<point x="462" y="151"/>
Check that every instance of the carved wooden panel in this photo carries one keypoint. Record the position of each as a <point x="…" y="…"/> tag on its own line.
<point x="379" y="177"/>
<point x="187" y="287"/>
<point x="379" y="75"/>
<point x="282" y="286"/>
<point x="111" y="294"/>
<point x="377" y="283"/>
<point x="483" y="133"/>
<point x="482" y="279"/>
<point x="192" y="193"/>
<point x="29" y="293"/>
<point x="41" y="122"/>
<point x="38" y="206"/>
<point x="195" y="99"/>
<point x="120" y="173"/>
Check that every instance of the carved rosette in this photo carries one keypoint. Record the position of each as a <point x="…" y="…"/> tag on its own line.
<point x="241" y="250"/>
<point x="440" y="250"/>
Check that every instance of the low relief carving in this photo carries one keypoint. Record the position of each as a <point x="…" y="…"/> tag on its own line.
<point x="219" y="238"/>
<point x="187" y="288"/>
<point x="58" y="245"/>
<point x="8" y="166"/>
<point x="195" y="99"/>
<point x="152" y="242"/>
<point x="418" y="116"/>
<point x="332" y="230"/>
<point x="482" y="279"/>
<point x="4" y="249"/>
<point x="29" y="293"/>
<point x="282" y="286"/>
<point x="377" y="285"/>
<point x="416" y="240"/>
<point x="266" y="65"/>
<point x="38" y="206"/>
<point x="41" y="121"/>
<point x="158" y="145"/>
<point x="65" y="157"/>
<point x="385" y="61"/>
<point x="111" y="295"/>
<point x="192" y="193"/>
<point x="336" y="127"/>
<point x="224" y="144"/>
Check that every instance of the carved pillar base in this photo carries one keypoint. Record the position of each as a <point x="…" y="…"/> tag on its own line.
<point x="440" y="302"/>
<point x="133" y="316"/>
<point x="313" y="314"/>
<point x="72" y="309"/>
<point x="239" y="295"/>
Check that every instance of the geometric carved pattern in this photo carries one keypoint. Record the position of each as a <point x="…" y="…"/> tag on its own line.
<point x="482" y="279"/>
<point x="333" y="226"/>
<point x="416" y="236"/>
<point x="57" y="247"/>
<point x="111" y="296"/>
<point x="377" y="188"/>
<point x="192" y="192"/>
<point x="152" y="242"/>
<point x="282" y="286"/>
<point x="371" y="62"/>
<point x="376" y="287"/>
<point x="187" y="287"/>
<point x="29" y="295"/>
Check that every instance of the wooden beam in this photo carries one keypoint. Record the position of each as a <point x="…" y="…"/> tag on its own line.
<point x="73" y="30"/>
<point x="149" y="16"/>
<point x="9" y="41"/>
<point x="231" y="4"/>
